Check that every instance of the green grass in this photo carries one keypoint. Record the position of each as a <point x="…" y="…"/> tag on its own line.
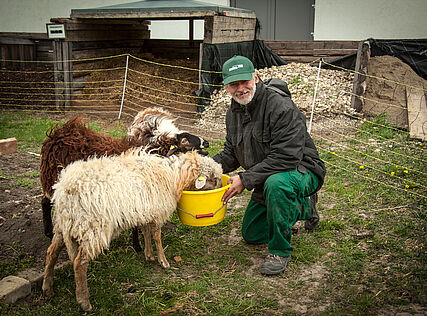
<point x="18" y="262"/>
<point x="367" y="256"/>
<point x="29" y="133"/>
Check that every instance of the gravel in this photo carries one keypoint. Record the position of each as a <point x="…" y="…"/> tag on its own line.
<point x="333" y="95"/>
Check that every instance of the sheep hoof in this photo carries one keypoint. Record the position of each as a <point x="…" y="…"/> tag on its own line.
<point x="48" y="292"/>
<point x="150" y="258"/>
<point x="85" y="306"/>
<point x="165" y="265"/>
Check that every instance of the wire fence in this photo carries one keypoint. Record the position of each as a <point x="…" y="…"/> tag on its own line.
<point x="364" y="148"/>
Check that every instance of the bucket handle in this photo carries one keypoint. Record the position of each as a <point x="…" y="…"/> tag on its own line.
<point x="202" y="215"/>
<point x="205" y="215"/>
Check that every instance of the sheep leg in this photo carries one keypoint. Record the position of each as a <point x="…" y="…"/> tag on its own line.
<point x="148" y="246"/>
<point x="52" y="254"/>
<point x="80" y="275"/>
<point x="160" y="252"/>
<point x="135" y="240"/>
<point x="47" y="217"/>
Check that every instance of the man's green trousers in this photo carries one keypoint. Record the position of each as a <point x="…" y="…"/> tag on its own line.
<point x="286" y="202"/>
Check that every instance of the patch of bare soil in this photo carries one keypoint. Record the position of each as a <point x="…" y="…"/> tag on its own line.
<point x="21" y="226"/>
<point x="391" y="95"/>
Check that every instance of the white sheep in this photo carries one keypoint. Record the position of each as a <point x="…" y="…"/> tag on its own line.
<point x="97" y="199"/>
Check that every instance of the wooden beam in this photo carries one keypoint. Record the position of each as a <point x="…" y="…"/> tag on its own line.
<point x="58" y="74"/>
<point x="99" y="21"/>
<point x="62" y="73"/>
<point x="191" y="31"/>
<point x="68" y="75"/>
<point x="314" y="52"/>
<point x="417" y="112"/>
<point x="309" y="45"/>
<point x="224" y="29"/>
<point x="88" y="36"/>
<point x="15" y="41"/>
<point x="359" y="80"/>
<point x="305" y="59"/>
<point x="105" y="26"/>
<point x="24" y="35"/>
<point x="149" y="15"/>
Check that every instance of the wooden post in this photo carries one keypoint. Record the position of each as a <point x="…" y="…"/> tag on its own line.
<point x="199" y="108"/>
<point x="68" y="77"/>
<point x="417" y="112"/>
<point x="58" y="74"/>
<point x="359" y="81"/>
<point x="191" y="31"/>
<point x="62" y="73"/>
<point x="200" y="64"/>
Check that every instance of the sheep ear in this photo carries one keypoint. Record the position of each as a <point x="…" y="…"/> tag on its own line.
<point x="172" y="150"/>
<point x="200" y="182"/>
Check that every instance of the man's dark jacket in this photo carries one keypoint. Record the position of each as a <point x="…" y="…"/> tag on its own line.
<point x="268" y="136"/>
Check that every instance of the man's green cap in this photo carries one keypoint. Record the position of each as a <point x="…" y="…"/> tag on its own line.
<point x="237" y="68"/>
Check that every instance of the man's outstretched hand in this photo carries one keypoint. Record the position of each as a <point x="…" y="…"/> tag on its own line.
<point x="235" y="188"/>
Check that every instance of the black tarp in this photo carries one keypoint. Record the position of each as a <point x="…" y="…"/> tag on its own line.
<point x="410" y="51"/>
<point x="214" y="55"/>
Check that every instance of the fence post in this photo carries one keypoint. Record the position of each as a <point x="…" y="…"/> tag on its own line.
<point x="314" y="97"/>
<point x="359" y="81"/>
<point x="57" y="68"/>
<point x="124" y="86"/>
<point x="62" y="73"/>
<point x="68" y="76"/>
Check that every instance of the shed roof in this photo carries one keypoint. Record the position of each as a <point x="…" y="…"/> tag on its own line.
<point x="161" y="9"/>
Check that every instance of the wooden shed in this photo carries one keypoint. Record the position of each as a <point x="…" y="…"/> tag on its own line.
<point x="116" y="29"/>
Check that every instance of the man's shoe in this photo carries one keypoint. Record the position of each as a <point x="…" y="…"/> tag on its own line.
<point x="274" y="264"/>
<point x="311" y="223"/>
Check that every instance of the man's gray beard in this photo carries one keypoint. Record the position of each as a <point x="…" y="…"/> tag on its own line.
<point x="249" y="99"/>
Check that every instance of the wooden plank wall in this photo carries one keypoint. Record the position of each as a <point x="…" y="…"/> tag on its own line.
<point x="100" y="38"/>
<point x="174" y="49"/>
<point x="308" y="51"/>
<point x="24" y="47"/>
<point x="226" y="29"/>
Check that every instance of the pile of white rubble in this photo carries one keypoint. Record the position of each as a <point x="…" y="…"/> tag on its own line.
<point x="333" y="96"/>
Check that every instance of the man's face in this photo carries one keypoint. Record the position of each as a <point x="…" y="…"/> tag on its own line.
<point x="243" y="91"/>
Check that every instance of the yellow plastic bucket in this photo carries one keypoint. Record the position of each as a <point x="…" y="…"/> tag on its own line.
<point x="203" y="208"/>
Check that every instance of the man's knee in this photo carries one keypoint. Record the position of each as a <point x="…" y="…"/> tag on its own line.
<point x="254" y="239"/>
<point x="282" y="181"/>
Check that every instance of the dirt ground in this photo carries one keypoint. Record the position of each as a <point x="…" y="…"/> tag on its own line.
<point x="21" y="227"/>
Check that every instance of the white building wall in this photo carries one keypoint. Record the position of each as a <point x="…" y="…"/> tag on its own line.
<point x="31" y="16"/>
<point x="363" y="19"/>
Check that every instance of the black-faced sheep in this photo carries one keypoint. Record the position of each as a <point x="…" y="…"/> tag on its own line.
<point x="97" y="199"/>
<point x="153" y="127"/>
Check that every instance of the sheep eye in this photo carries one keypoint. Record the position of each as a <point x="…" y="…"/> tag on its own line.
<point x="185" y="141"/>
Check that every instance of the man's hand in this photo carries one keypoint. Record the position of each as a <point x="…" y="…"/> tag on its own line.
<point x="235" y="188"/>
